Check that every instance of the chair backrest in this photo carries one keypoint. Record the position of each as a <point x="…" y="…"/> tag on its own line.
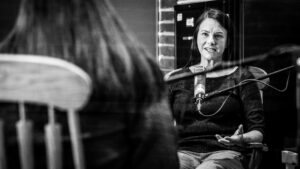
<point x="48" y="81"/>
<point x="258" y="73"/>
<point x="258" y="148"/>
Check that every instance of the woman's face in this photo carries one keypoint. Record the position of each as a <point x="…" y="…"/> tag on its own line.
<point x="211" y="40"/>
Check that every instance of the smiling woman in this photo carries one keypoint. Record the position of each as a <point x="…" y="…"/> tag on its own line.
<point x="211" y="41"/>
<point x="212" y="131"/>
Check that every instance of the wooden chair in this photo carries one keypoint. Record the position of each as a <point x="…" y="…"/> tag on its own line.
<point x="258" y="72"/>
<point x="257" y="149"/>
<point x="48" y="81"/>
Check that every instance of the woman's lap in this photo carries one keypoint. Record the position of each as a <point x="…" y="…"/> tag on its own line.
<point x="225" y="159"/>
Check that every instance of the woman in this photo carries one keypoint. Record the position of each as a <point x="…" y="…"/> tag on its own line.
<point x="212" y="136"/>
<point x="127" y="118"/>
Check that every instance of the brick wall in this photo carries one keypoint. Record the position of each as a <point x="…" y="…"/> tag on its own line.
<point x="166" y="35"/>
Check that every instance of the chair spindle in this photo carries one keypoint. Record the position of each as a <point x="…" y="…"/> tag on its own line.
<point x="25" y="136"/>
<point x="53" y="136"/>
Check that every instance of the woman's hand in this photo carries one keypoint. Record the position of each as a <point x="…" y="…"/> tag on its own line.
<point x="236" y="139"/>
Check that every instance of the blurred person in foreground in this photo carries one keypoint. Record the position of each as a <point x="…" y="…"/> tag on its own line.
<point x="127" y="120"/>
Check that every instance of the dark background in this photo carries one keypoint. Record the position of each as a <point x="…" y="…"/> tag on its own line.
<point x="269" y="23"/>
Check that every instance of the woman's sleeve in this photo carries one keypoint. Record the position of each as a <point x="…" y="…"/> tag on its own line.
<point x="252" y="102"/>
<point x="154" y="138"/>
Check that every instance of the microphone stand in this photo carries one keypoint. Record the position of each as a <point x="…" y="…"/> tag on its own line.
<point x="298" y="106"/>
<point x="284" y="49"/>
<point x="247" y="82"/>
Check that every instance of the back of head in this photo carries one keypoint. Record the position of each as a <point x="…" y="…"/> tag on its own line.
<point x="89" y="34"/>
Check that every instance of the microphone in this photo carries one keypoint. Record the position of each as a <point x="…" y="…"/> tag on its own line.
<point x="199" y="86"/>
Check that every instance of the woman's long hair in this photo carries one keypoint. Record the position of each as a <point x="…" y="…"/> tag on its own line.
<point x="89" y="34"/>
<point x="225" y="22"/>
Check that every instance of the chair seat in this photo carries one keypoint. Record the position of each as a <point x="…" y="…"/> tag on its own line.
<point x="261" y="146"/>
<point x="258" y="72"/>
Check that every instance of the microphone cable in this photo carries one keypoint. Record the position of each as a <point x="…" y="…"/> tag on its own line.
<point x="220" y="108"/>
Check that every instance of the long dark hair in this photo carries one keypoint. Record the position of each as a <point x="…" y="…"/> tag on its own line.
<point x="225" y="21"/>
<point x="89" y="34"/>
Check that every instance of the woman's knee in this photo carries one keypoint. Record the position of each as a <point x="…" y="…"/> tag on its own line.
<point x="187" y="161"/>
<point x="221" y="164"/>
<point x="210" y="164"/>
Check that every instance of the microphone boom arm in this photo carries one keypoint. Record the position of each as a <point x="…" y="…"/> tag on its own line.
<point x="208" y="95"/>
